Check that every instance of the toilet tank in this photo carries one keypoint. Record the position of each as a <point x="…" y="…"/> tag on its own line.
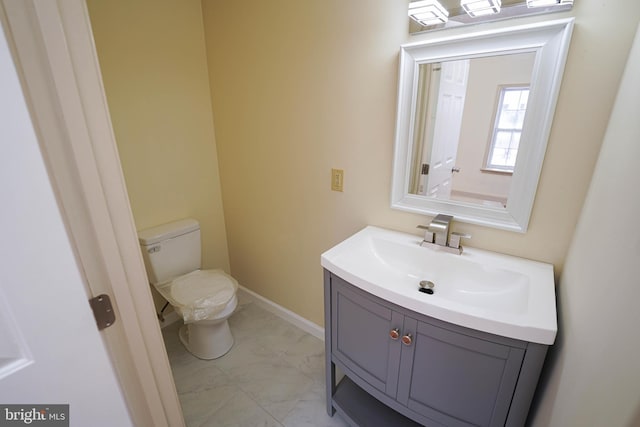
<point x="170" y="250"/>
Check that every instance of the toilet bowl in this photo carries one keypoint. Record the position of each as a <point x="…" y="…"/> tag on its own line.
<point x="209" y="338"/>
<point x="203" y="298"/>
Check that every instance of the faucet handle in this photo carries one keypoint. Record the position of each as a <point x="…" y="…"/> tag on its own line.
<point x="454" y="239"/>
<point x="441" y="227"/>
<point x="428" y="234"/>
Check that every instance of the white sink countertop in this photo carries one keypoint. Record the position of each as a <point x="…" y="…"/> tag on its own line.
<point x="486" y="291"/>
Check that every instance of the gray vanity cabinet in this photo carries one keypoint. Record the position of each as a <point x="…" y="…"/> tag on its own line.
<point x="402" y="367"/>
<point x="457" y="379"/>
<point x="361" y="339"/>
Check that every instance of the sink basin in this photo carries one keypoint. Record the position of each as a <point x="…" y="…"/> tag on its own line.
<point x="482" y="290"/>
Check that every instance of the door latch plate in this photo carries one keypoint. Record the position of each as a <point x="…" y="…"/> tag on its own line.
<point x="102" y="311"/>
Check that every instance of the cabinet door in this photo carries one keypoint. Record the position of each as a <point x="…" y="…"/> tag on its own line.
<point x="361" y="340"/>
<point x="456" y="379"/>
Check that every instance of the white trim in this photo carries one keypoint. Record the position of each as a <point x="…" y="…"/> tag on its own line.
<point x="285" y="314"/>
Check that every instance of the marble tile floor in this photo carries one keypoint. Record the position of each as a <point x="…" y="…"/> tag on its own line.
<point x="273" y="376"/>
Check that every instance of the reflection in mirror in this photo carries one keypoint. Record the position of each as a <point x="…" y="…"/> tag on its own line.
<point x="474" y="115"/>
<point x="468" y="120"/>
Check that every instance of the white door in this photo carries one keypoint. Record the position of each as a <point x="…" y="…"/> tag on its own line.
<point x="50" y="349"/>
<point x="452" y="90"/>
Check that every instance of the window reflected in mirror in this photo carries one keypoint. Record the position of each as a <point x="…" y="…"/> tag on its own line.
<point x="507" y="128"/>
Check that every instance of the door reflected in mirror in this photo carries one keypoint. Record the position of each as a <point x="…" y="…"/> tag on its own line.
<point x="468" y="120"/>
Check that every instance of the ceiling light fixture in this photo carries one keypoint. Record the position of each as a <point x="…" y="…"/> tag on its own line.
<point x="428" y="12"/>
<point x="481" y="7"/>
<point x="543" y="3"/>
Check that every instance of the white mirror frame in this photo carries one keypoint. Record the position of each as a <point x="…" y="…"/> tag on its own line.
<point x="550" y="40"/>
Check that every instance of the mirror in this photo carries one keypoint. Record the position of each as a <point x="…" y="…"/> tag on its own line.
<point x="508" y="9"/>
<point x="474" y="115"/>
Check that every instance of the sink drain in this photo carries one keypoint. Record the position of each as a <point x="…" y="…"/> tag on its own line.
<point x="426" y="286"/>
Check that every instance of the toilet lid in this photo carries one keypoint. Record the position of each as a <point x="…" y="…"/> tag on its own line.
<point x="203" y="287"/>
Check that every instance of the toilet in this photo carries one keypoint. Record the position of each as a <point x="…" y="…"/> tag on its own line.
<point x="204" y="298"/>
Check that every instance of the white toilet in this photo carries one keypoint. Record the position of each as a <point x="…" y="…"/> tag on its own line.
<point x="204" y="298"/>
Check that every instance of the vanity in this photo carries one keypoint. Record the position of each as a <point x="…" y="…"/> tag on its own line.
<point x="424" y="332"/>
<point x="468" y="354"/>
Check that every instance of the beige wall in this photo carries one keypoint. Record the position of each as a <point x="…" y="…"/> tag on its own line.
<point x="594" y="377"/>
<point x="301" y="87"/>
<point x="153" y="63"/>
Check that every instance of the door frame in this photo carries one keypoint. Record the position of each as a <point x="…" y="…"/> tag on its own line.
<point x="54" y="52"/>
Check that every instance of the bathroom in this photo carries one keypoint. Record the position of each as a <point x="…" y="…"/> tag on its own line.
<point x="235" y="113"/>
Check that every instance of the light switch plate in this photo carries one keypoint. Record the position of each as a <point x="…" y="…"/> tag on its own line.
<point x="337" y="179"/>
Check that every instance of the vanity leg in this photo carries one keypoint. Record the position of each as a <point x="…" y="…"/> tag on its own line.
<point x="330" y="367"/>
<point x="331" y="388"/>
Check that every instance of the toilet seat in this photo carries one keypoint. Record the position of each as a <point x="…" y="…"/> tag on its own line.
<point x="200" y="294"/>
<point x="211" y="286"/>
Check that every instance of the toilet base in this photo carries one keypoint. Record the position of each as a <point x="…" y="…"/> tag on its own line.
<point x="205" y="340"/>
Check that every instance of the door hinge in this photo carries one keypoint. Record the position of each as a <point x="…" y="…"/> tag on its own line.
<point x="102" y="311"/>
<point x="425" y="169"/>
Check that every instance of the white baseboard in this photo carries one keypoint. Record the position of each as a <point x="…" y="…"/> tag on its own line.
<point x="285" y="314"/>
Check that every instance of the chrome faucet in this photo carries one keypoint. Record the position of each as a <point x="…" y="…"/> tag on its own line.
<point x="438" y="234"/>
<point x="440" y="226"/>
